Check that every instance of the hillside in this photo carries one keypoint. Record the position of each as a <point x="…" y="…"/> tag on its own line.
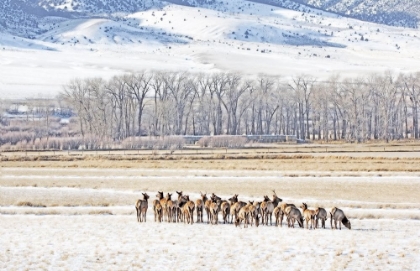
<point x="25" y="17"/>
<point x="46" y="43"/>
<point x="404" y="13"/>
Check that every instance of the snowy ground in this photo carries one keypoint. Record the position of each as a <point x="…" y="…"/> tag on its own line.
<point x="240" y="36"/>
<point x="31" y="242"/>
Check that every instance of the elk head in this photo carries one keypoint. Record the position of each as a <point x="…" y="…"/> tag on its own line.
<point x="159" y="195"/>
<point x="276" y="198"/>
<point x="168" y="196"/>
<point x="145" y="196"/>
<point x="179" y="194"/>
<point x="233" y="199"/>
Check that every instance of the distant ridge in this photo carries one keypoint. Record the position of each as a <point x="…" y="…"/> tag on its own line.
<point x="23" y="17"/>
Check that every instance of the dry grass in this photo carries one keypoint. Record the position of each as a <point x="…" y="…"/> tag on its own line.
<point x="300" y="176"/>
<point x="30" y="204"/>
<point x="352" y="191"/>
<point x="224" y="162"/>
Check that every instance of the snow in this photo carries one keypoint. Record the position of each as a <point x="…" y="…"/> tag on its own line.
<point x="207" y="38"/>
<point x="119" y="242"/>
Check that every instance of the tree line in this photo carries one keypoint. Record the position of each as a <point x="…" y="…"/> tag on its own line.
<point x="377" y="106"/>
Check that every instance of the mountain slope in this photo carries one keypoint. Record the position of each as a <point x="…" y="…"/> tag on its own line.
<point x="195" y="36"/>
<point x="23" y="17"/>
<point x="390" y="12"/>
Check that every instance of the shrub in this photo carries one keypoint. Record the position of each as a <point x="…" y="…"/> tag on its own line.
<point x="149" y="143"/>
<point x="223" y="141"/>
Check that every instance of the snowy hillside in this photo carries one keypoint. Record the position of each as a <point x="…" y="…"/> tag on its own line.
<point x="23" y="17"/>
<point x="391" y="12"/>
<point x="82" y="38"/>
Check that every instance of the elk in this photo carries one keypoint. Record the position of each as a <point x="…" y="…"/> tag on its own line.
<point x="279" y="212"/>
<point x="278" y="215"/>
<point x="141" y="208"/>
<point x="243" y="215"/>
<point x="338" y="216"/>
<point x="162" y="201"/>
<point x="214" y="211"/>
<point x="200" y="208"/>
<point x="322" y="214"/>
<point x="158" y="212"/>
<point x="213" y="196"/>
<point x="267" y="208"/>
<point x="170" y="207"/>
<point x="177" y="213"/>
<point x="293" y="214"/>
<point x="207" y="203"/>
<point x="236" y="206"/>
<point x="188" y="209"/>
<point x="225" y="207"/>
<point x="253" y="213"/>
<point x="155" y="203"/>
<point x="308" y="214"/>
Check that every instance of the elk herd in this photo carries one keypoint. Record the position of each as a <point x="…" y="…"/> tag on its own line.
<point x="236" y="212"/>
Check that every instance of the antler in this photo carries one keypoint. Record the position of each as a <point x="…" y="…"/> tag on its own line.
<point x="274" y="191"/>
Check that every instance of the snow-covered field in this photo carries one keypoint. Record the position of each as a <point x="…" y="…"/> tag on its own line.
<point x="107" y="242"/>
<point x="236" y="36"/>
<point x="89" y="222"/>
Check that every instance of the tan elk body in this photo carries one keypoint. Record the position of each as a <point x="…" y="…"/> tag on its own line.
<point x="141" y="208"/>
<point x="308" y="215"/>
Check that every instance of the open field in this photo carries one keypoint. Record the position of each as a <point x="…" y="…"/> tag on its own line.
<point x="376" y="157"/>
<point x="119" y="243"/>
<point x="62" y="211"/>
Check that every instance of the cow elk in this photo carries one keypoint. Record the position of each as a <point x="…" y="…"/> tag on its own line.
<point x="320" y="214"/>
<point x="236" y="206"/>
<point x="308" y="214"/>
<point x="162" y="201"/>
<point x="170" y="207"/>
<point x="214" y="211"/>
<point x="243" y="215"/>
<point x="267" y="208"/>
<point x="207" y="203"/>
<point x="141" y="208"/>
<point x="177" y="214"/>
<point x="199" y="204"/>
<point x="155" y="203"/>
<point x="225" y="208"/>
<point x="158" y="212"/>
<point x="293" y="215"/>
<point x="338" y="216"/>
<point x="279" y="212"/>
<point x="188" y="207"/>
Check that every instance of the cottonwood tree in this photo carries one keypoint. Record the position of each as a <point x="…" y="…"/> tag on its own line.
<point x="378" y="106"/>
<point x="302" y="89"/>
<point x="139" y="85"/>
